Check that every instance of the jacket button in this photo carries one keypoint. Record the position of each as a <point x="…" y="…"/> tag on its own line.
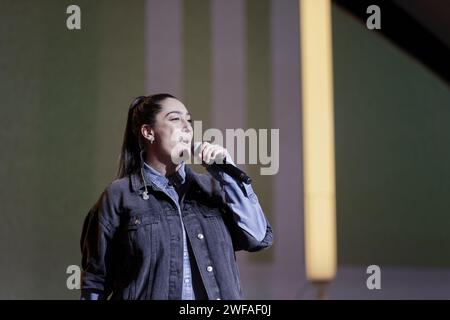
<point x="200" y="236"/>
<point x="209" y="268"/>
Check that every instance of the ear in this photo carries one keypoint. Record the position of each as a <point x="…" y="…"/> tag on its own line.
<point x="147" y="133"/>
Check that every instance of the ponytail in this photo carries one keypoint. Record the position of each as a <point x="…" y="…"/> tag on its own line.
<point x="143" y="110"/>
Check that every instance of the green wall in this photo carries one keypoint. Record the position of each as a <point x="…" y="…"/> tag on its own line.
<point x="392" y="120"/>
<point x="64" y="99"/>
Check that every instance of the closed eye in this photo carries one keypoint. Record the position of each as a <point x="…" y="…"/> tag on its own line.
<point x="176" y="119"/>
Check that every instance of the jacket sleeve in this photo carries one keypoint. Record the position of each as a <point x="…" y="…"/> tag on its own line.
<point x="242" y="212"/>
<point x="96" y="248"/>
<point x="243" y="240"/>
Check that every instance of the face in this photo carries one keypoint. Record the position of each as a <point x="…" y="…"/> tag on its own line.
<point x="172" y="130"/>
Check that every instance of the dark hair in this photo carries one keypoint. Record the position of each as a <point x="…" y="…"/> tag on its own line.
<point x="143" y="110"/>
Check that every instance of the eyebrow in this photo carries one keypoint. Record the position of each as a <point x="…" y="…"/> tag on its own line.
<point x="177" y="112"/>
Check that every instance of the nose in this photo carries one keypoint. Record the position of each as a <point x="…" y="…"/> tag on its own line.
<point x="187" y="125"/>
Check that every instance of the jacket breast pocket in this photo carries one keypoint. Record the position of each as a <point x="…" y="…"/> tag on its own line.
<point x="143" y="235"/>
<point x="213" y="218"/>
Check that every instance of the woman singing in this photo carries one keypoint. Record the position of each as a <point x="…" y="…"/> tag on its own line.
<point x="162" y="231"/>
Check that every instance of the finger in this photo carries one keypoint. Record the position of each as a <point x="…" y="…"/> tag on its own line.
<point x="212" y="152"/>
<point x="214" y="155"/>
<point x="200" y="151"/>
<point x="203" y="151"/>
<point x="218" y="154"/>
<point x="202" y="148"/>
<point x="207" y="154"/>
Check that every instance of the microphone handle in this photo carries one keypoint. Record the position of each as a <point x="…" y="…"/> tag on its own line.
<point x="233" y="172"/>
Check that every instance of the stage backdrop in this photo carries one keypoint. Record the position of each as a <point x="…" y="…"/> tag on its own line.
<point x="234" y="63"/>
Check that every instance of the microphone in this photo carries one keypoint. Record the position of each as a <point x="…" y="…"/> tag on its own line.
<point x="227" y="168"/>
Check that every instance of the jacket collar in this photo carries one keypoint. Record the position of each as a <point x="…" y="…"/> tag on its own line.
<point x="200" y="181"/>
<point x="152" y="175"/>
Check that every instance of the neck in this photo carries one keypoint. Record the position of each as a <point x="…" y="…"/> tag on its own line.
<point x="165" y="168"/>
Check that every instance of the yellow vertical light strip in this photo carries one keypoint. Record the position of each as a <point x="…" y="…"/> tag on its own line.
<point x="318" y="139"/>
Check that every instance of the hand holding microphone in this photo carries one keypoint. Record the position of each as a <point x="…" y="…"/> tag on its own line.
<point x="215" y="156"/>
<point x="212" y="153"/>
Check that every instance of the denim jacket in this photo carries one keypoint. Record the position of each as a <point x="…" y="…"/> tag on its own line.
<point x="132" y="248"/>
